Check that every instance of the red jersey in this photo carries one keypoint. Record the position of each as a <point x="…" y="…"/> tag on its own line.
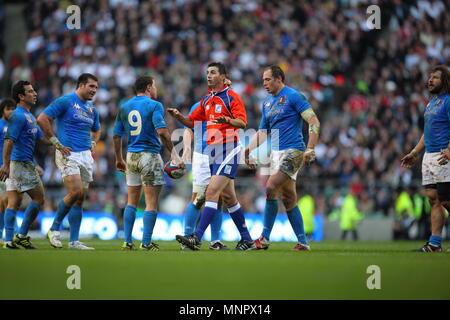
<point x="213" y="105"/>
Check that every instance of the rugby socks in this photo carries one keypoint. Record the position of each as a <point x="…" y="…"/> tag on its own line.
<point x="61" y="212"/>
<point x="237" y="214"/>
<point x="129" y="215"/>
<point x="435" y="241"/>
<point x="2" y="224"/>
<point x="216" y="225"/>
<point x="10" y="223"/>
<point x="75" y="215"/>
<point x="190" y="218"/>
<point x="296" y="220"/>
<point x="149" y="224"/>
<point x="30" y="214"/>
<point x="270" y="214"/>
<point x="205" y="219"/>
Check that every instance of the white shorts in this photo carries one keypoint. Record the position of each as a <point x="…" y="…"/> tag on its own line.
<point x="23" y="176"/>
<point x="288" y="161"/>
<point x="432" y="171"/>
<point x="201" y="171"/>
<point x="144" y="168"/>
<point x="80" y="163"/>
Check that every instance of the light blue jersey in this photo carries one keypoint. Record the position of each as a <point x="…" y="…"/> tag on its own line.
<point x="199" y="132"/>
<point x="3" y="129"/>
<point x="139" y="118"/>
<point x="24" y="131"/>
<point x="281" y="117"/>
<point x="437" y="124"/>
<point x="75" y="120"/>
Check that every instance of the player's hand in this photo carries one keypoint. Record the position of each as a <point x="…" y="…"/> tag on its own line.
<point x="408" y="160"/>
<point x="227" y="82"/>
<point x="121" y="165"/>
<point x="176" y="161"/>
<point x="309" y="156"/>
<point x="251" y="164"/>
<point x="65" y="151"/>
<point x="174" y="113"/>
<point x="444" y="158"/>
<point x="93" y="146"/>
<point x="4" y="173"/>
<point x="222" y="119"/>
<point x="39" y="170"/>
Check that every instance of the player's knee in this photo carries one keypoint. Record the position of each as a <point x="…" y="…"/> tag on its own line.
<point x="270" y="191"/>
<point x="76" y="195"/>
<point x="288" y="201"/>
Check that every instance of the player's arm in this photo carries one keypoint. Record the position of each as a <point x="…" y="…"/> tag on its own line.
<point x="259" y="138"/>
<point x="7" y="149"/>
<point x="95" y="137"/>
<point x="237" y="123"/>
<point x="120" y="163"/>
<point x="164" y="135"/>
<point x="314" y="129"/>
<point x="180" y="117"/>
<point x="188" y="138"/>
<point x="45" y="123"/>
<point x="408" y="160"/>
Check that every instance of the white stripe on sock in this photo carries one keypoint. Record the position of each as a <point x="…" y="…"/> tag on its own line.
<point x="211" y="204"/>
<point x="234" y="208"/>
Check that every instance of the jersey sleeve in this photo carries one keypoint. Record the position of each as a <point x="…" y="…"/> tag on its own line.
<point x="119" y="128"/>
<point x="238" y="109"/>
<point x="198" y="114"/>
<point x="56" y="108"/>
<point x="16" y="123"/>
<point x="300" y="102"/>
<point x="158" y="117"/>
<point x="96" y="125"/>
<point x="193" y="107"/>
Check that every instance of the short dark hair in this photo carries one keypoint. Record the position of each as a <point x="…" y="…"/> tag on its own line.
<point x="141" y="83"/>
<point x="220" y="66"/>
<point x="277" y="72"/>
<point x="6" y="103"/>
<point x="445" y="77"/>
<point x="19" y="88"/>
<point x="84" y="78"/>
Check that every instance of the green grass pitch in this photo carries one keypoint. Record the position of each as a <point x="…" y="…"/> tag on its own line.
<point x="333" y="270"/>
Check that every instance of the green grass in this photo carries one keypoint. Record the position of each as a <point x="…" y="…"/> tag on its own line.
<point x="333" y="270"/>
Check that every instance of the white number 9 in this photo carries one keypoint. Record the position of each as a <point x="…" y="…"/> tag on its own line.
<point x="135" y="120"/>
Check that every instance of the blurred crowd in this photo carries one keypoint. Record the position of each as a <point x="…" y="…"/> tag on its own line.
<point x="367" y="86"/>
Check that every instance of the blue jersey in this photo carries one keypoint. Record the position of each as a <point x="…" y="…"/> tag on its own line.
<point x="3" y="129"/>
<point x="437" y="124"/>
<point x="24" y="131"/>
<point x="75" y="120"/>
<point x="139" y="118"/>
<point x="281" y="118"/>
<point x="199" y="133"/>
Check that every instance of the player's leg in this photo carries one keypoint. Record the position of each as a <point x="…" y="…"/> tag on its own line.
<point x="129" y="213"/>
<point x="152" y="176"/>
<point x="216" y="226"/>
<point x="289" y="198"/>
<point x="75" y="216"/>
<point x="150" y="214"/>
<point x="237" y="214"/>
<point x="3" y="205"/>
<point x="14" y="200"/>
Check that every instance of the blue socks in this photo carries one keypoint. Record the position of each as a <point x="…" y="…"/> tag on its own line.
<point x="435" y="241"/>
<point x="61" y="212"/>
<point x="216" y="225"/>
<point x="237" y="214"/>
<point x="270" y="214"/>
<point x="149" y="224"/>
<point x="295" y="218"/>
<point x="190" y="218"/>
<point x="2" y="224"/>
<point x="129" y="215"/>
<point x="75" y="215"/>
<point x="10" y="223"/>
<point x="30" y="214"/>
<point x="205" y="219"/>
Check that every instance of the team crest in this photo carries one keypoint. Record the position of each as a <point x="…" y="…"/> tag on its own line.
<point x="76" y="106"/>
<point x="207" y="107"/>
<point x="438" y="103"/>
<point x="91" y="110"/>
<point x="84" y="114"/>
<point x="282" y="100"/>
<point x="218" y="108"/>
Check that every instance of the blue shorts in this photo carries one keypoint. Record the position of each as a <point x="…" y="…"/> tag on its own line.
<point x="224" y="159"/>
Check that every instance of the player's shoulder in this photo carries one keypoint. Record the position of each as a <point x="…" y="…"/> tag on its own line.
<point x="233" y="94"/>
<point x="291" y="92"/>
<point x="66" y="98"/>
